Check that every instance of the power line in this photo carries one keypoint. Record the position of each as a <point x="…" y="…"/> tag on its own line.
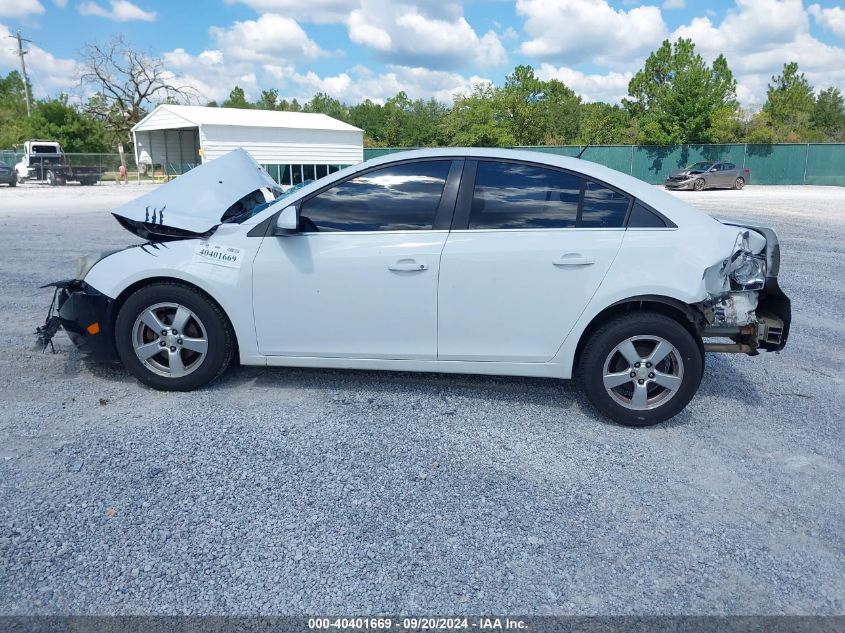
<point x="21" y="52"/>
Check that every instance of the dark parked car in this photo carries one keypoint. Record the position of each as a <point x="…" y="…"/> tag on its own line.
<point x="7" y="175"/>
<point x="708" y="175"/>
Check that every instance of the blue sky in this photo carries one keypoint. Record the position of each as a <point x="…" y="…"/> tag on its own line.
<point x="356" y="49"/>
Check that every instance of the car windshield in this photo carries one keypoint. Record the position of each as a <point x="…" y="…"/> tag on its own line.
<point x="700" y="166"/>
<point x="258" y="208"/>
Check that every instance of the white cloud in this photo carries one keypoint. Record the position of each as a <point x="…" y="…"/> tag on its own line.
<point x="610" y="87"/>
<point x="576" y="31"/>
<point x="362" y="83"/>
<point x="320" y="11"/>
<point x="121" y="11"/>
<point x="47" y="73"/>
<point x="832" y="19"/>
<point x="266" y="39"/>
<point x="20" y="8"/>
<point x="758" y="37"/>
<point x="436" y="35"/>
<point x="674" y="4"/>
<point x="211" y="74"/>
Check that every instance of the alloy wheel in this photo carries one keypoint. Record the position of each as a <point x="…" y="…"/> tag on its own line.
<point x="643" y="372"/>
<point x="170" y="340"/>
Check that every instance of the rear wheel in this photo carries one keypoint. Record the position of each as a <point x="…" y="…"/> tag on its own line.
<point x="698" y="185"/>
<point x="13" y="182"/>
<point x="641" y="369"/>
<point x="739" y="183"/>
<point x="173" y="338"/>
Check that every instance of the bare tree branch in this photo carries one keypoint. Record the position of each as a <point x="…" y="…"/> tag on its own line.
<point x="127" y="83"/>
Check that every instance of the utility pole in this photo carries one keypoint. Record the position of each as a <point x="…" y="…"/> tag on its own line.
<point x="21" y="53"/>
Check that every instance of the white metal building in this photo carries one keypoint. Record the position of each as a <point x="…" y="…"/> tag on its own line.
<point x="292" y="146"/>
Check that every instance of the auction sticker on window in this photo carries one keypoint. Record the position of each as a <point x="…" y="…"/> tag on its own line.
<point x="219" y="254"/>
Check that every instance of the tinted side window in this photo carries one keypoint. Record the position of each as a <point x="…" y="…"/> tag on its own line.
<point x="644" y="218"/>
<point x="514" y="196"/>
<point x="396" y="198"/>
<point x="729" y="166"/>
<point x="603" y="207"/>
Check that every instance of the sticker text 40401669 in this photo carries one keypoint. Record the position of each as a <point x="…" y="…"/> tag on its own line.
<point x="219" y="254"/>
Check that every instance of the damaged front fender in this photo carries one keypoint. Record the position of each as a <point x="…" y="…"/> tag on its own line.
<point x="745" y="302"/>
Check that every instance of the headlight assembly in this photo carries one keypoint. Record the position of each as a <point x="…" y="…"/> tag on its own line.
<point x="86" y="263"/>
<point x="748" y="271"/>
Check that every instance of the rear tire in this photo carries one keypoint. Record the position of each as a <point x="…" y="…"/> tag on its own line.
<point x="13" y="182"/>
<point x="173" y="338"/>
<point x="698" y="185"/>
<point x="641" y="368"/>
<point x="739" y="183"/>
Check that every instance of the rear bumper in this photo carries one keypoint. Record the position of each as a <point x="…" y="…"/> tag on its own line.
<point x="86" y="316"/>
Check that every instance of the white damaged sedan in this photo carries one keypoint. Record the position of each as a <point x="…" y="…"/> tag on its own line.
<point x="480" y="261"/>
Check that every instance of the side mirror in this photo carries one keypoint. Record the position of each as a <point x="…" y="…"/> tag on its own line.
<point x="286" y="222"/>
<point x="713" y="169"/>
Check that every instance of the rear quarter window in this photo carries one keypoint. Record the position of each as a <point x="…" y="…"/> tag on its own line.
<point x="644" y="218"/>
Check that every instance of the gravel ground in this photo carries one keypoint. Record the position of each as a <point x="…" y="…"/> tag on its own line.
<point x="297" y="491"/>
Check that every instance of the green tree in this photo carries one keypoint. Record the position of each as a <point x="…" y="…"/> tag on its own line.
<point x="829" y="114"/>
<point x="539" y="111"/>
<point x="56" y="119"/>
<point x="269" y="100"/>
<point x="370" y="117"/>
<point x="790" y="105"/>
<point x="677" y="97"/>
<point x="324" y="104"/>
<point x="12" y="110"/>
<point x="237" y="99"/>
<point x="478" y="119"/>
<point x="604" y="124"/>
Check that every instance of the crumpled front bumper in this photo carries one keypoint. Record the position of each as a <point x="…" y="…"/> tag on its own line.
<point x="86" y="315"/>
<point x="679" y="184"/>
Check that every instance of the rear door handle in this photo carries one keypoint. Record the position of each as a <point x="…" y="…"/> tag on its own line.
<point x="573" y="259"/>
<point x="406" y="266"/>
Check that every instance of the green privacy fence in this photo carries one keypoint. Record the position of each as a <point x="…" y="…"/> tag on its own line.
<point x="782" y="164"/>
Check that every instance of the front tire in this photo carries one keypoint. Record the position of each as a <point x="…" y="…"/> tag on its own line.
<point x="13" y="182"/>
<point x="173" y="338"/>
<point x="698" y="185"/>
<point x="640" y="369"/>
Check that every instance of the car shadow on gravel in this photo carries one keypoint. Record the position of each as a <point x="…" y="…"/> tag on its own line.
<point x="564" y="395"/>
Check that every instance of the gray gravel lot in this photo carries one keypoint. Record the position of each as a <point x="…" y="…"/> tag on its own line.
<point x="306" y="491"/>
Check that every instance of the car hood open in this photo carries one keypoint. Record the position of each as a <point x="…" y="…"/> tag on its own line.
<point x="193" y="204"/>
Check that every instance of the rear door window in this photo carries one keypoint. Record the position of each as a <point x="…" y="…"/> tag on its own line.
<point x="517" y="196"/>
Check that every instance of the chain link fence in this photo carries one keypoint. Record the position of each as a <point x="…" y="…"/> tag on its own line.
<point x="108" y="164"/>
<point x="782" y="164"/>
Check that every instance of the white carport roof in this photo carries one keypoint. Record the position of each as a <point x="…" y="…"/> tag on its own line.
<point x="168" y="117"/>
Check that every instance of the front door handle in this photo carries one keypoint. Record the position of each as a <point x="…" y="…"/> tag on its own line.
<point x="573" y="259"/>
<point x="406" y="266"/>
